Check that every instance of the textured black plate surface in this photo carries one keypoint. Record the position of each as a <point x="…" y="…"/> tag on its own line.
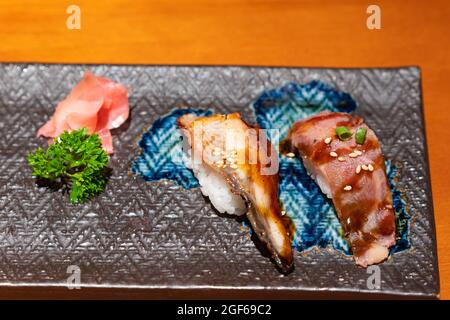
<point x="160" y="236"/>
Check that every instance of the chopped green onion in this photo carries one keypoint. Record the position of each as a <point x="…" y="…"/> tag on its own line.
<point x="343" y="133"/>
<point x="360" y="135"/>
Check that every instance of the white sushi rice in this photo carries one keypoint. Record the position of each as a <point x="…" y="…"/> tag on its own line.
<point x="214" y="186"/>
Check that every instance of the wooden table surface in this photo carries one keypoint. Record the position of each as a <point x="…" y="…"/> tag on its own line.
<point x="325" y="33"/>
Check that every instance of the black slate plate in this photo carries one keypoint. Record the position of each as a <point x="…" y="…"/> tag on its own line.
<point x="161" y="237"/>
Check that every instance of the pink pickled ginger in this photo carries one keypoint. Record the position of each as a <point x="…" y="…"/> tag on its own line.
<point x="97" y="104"/>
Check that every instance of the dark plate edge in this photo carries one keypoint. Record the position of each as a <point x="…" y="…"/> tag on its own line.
<point x="212" y="66"/>
<point x="428" y="181"/>
<point x="432" y="295"/>
<point x="199" y="292"/>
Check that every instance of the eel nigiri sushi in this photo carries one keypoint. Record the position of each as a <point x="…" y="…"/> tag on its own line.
<point x="237" y="169"/>
<point x="343" y="155"/>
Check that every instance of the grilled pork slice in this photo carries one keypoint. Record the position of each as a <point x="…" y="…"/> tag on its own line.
<point x="234" y="151"/>
<point x="353" y="175"/>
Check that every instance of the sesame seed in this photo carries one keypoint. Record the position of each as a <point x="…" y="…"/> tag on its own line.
<point x="290" y="155"/>
<point x="231" y="160"/>
<point x="333" y="154"/>
<point x="370" y="167"/>
<point x="233" y="166"/>
<point x="341" y="158"/>
<point x="327" y="140"/>
<point x="358" y="168"/>
<point x="219" y="163"/>
<point x="364" y="167"/>
<point x="221" y="166"/>
<point x="359" y="153"/>
<point x="348" y="188"/>
<point x="389" y="206"/>
<point x="283" y="212"/>
<point x="352" y="155"/>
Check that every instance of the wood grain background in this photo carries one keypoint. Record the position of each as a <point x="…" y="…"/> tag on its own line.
<point x="323" y="33"/>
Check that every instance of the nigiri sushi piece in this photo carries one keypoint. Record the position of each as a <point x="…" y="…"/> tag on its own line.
<point x="97" y="104"/>
<point x="348" y="165"/>
<point x="237" y="169"/>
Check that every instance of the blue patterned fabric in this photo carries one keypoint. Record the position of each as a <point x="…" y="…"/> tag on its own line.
<point x="312" y="213"/>
<point x="401" y="212"/>
<point x="279" y="108"/>
<point x="162" y="156"/>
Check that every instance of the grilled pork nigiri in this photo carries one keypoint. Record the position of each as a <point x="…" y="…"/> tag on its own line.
<point x="353" y="174"/>
<point x="225" y="146"/>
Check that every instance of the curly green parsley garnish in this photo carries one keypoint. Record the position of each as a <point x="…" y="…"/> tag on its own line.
<point x="75" y="161"/>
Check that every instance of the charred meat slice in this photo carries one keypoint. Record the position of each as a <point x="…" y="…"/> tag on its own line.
<point x="349" y="169"/>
